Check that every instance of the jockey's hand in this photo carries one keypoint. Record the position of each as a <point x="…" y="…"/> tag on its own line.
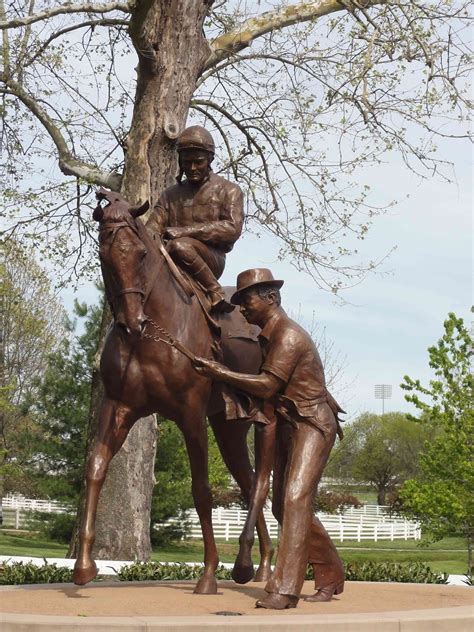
<point x="209" y="368"/>
<point x="173" y="232"/>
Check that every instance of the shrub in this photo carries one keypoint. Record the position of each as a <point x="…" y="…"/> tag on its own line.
<point x="154" y="571"/>
<point x="228" y="497"/>
<point x="28" y="573"/>
<point x="163" y="534"/>
<point x="415" y="573"/>
<point x="468" y="580"/>
<point x="56" y="526"/>
<point x="335" y="502"/>
<point x="412" y="573"/>
<point x="394" y="502"/>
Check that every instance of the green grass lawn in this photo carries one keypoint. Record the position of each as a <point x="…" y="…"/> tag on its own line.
<point x="448" y="555"/>
<point x="30" y="545"/>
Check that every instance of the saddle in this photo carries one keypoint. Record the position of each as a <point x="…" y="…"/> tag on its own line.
<point x="235" y="344"/>
<point x="239" y="350"/>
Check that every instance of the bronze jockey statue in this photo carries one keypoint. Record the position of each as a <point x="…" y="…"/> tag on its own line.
<point x="201" y="217"/>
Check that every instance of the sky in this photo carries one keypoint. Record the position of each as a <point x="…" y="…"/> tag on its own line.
<point x="396" y="313"/>
<point x="383" y="329"/>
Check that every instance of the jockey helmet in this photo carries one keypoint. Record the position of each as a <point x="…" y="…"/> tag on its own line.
<point x="196" y="137"/>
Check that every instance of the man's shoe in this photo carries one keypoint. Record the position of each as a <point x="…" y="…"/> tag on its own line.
<point x="275" y="601"/>
<point x="326" y="593"/>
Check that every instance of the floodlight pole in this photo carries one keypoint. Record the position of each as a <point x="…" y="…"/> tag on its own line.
<point x="383" y="392"/>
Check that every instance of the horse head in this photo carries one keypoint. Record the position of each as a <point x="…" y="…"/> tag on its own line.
<point x="123" y="254"/>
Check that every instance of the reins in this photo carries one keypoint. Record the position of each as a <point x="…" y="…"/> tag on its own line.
<point x="168" y="339"/>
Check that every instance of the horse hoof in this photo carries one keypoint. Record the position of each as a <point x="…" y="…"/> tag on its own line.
<point x="82" y="576"/>
<point x="243" y="574"/>
<point x="206" y="586"/>
<point x="263" y="574"/>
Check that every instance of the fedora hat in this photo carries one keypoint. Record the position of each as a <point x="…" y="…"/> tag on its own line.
<point x="251" y="278"/>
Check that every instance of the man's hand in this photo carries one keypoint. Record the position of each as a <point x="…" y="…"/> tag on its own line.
<point x="209" y="368"/>
<point x="173" y="232"/>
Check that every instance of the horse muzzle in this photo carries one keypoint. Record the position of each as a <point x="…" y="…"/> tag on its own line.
<point x="134" y="327"/>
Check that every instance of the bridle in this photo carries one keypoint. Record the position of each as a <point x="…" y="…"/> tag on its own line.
<point x="128" y="290"/>
<point x="165" y="336"/>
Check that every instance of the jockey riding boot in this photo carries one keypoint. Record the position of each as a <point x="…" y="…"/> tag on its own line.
<point x="214" y="290"/>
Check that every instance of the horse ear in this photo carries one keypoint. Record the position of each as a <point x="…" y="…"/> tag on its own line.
<point x="98" y="213"/>
<point x="136" y="211"/>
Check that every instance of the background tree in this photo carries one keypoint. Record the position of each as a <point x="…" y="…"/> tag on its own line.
<point x="172" y="494"/>
<point x="381" y="450"/>
<point x="300" y="93"/>
<point x="441" y="497"/>
<point x="31" y="326"/>
<point x="60" y="408"/>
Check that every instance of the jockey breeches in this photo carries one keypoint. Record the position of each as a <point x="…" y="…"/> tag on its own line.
<point x="192" y="254"/>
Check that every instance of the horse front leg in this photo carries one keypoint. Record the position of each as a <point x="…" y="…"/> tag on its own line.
<point x="195" y="436"/>
<point x="114" y="425"/>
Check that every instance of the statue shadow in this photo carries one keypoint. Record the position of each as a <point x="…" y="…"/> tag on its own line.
<point x="71" y="591"/>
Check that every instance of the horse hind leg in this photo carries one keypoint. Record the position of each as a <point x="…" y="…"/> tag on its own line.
<point x="264" y="449"/>
<point x="231" y="439"/>
<point x="264" y="456"/>
<point x="115" y="422"/>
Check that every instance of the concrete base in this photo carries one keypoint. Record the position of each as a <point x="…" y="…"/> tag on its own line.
<point x="163" y="606"/>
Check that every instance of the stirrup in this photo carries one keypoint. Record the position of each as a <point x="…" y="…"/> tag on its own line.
<point x="219" y="304"/>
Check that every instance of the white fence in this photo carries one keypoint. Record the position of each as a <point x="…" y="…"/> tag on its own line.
<point x="18" y="511"/>
<point x="370" y="522"/>
<point x="33" y="504"/>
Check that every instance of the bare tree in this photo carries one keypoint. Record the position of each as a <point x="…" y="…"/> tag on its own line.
<point x="301" y="94"/>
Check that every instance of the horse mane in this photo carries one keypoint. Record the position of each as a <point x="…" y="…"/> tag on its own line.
<point x="119" y="213"/>
<point x="114" y="213"/>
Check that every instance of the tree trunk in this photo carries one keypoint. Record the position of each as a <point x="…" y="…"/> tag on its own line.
<point x="2" y="414"/>
<point x="381" y="494"/>
<point x="171" y="48"/>
<point x="470" y="567"/>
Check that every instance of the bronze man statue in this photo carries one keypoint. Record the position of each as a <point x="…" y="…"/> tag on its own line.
<point x="201" y="217"/>
<point x="292" y="375"/>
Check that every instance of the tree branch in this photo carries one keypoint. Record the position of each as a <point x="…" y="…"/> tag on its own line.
<point x="24" y="43"/>
<point x="242" y="37"/>
<point x="74" y="27"/>
<point x="68" y="163"/>
<point x="5" y="45"/>
<point x="252" y="142"/>
<point x="87" y="7"/>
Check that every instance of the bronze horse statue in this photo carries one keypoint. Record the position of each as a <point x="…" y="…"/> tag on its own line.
<point x="144" y="374"/>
